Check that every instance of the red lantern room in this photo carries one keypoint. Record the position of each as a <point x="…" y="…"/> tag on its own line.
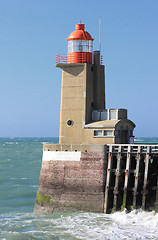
<point x="80" y="46"/>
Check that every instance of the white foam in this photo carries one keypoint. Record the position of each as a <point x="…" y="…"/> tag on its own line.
<point x="85" y="226"/>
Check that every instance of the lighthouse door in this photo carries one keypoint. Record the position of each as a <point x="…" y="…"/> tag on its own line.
<point x="124" y="136"/>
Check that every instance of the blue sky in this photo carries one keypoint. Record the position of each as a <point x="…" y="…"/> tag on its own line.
<point x="32" y="32"/>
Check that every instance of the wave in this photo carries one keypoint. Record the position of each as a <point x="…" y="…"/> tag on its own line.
<point x="137" y="217"/>
<point x="85" y="226"/>
<point x="138" y="140"/>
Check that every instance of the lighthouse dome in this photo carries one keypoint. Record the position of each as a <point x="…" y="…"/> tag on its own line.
<point x="80" y="34"/>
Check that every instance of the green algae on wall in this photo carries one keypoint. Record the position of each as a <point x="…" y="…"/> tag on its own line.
<point x="42" y="199"/>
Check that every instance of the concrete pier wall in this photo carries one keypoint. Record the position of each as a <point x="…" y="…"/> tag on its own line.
<point x="98" y="178"/>
<point x="72" y="180"/>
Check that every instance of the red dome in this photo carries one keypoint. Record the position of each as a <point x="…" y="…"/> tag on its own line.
<point x="80" y="34"/>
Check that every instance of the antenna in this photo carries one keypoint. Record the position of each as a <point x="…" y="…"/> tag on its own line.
<point x="100" y="34"/>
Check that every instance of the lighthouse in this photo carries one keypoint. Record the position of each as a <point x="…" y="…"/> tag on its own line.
<point x="84" y="118"/>
<point x="94" y="167"/>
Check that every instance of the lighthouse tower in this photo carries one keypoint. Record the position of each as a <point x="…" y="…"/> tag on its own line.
<point x="83" y="116"/>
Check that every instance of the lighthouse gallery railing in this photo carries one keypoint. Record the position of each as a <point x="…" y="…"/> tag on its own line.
<point x="63" y="58"/>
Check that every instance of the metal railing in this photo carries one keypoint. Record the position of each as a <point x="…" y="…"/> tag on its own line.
<point x="63" y="58"/>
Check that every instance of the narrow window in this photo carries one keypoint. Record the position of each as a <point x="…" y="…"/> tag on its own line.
<point x="108" y="133"/>
<point x="98" y="133"/>
<point x="112" y="114"/>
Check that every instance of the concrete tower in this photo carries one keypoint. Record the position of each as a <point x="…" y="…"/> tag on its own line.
<point x="83" y="116"/>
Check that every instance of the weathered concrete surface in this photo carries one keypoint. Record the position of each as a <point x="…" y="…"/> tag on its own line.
<point x="82" y="93"/>
<point x="72" y="185"/>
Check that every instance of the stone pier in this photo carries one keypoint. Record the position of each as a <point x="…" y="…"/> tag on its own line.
<point x="72" y="178"/>
<point x="97" y="178"/>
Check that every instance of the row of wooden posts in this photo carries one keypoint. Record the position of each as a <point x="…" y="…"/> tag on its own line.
<point x="132" y="177"/>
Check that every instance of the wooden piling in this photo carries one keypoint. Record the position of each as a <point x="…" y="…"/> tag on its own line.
<point x="135" y="193"/>
<point x="117" y="174"/>
<point x="124" y="204"/>
<point x="145" y="177"/>
<point x="131" y="186"/>
<point x="108" y="179"/>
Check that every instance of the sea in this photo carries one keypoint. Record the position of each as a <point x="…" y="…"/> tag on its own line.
<point x="20" y="163"/>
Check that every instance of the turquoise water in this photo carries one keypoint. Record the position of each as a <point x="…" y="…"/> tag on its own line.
<point x="20" y="163"/>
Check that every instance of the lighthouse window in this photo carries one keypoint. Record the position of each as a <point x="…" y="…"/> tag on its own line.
<point x="78" y="46"/>
<point x="108" y="133"/>
<point x="70" y="46"/>
<point x="98" y="133"/>
<point x="86" y="46"/>
<point x="103" y="133"/>
<point x="90" y="46"/>
<point x="70" y="123"/>
<point x="112" y="114"/>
